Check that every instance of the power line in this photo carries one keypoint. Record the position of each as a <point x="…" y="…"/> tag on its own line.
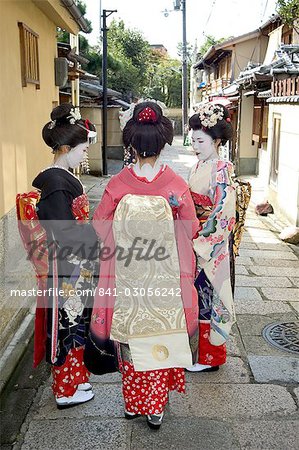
<point x="209" y="17"/>
<point x="266" y="4"/>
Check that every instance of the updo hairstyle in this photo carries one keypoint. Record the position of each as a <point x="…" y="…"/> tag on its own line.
<point x="66" y="127"/>
<point x="148" y="130"/>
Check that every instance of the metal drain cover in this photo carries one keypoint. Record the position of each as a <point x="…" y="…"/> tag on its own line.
<point x="283" y="335"/>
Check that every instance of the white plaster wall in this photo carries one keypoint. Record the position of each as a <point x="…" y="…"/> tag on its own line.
<point x="285" y="195"/>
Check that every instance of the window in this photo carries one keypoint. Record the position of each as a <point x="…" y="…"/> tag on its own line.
<point x="29" y="56"/>
<point x="260" y="121"/>
<point x="275" y="149"/>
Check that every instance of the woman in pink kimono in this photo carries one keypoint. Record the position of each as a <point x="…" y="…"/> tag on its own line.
<point x="213" y="193"/>
<point x="146" y="301"/>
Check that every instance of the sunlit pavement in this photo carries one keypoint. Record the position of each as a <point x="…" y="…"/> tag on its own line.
<point x="250" y="403"/>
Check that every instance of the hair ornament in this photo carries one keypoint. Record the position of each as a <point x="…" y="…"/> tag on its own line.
<point x="147" y="115"/>
<point x="52" y="124"/>
<point x="228" y="120"/>
<point x="209" y="114"/>
<point x="74" y="116"/>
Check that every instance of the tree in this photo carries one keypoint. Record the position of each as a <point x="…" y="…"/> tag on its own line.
<point x="288" y="10"/>
<point x="132" y="52"/>
<point x="209" y="42"/>
<point x="189" y="51"/>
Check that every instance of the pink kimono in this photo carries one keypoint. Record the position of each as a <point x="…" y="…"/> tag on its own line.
<point x="150" y="387"/>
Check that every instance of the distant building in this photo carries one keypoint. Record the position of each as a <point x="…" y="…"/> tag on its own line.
<point x="159" y="48"/>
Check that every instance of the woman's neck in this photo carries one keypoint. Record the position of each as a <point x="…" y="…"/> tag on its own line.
<point x="61" y="160"/>
<point x="150" y="160"/>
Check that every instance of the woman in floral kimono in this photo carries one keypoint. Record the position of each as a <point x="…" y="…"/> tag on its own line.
<point x="213" y="193"/>
<point x="147" y="304"/>
<point x="59" y="241"/>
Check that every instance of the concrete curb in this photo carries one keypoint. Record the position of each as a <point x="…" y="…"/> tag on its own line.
<point x="12" y="354"/>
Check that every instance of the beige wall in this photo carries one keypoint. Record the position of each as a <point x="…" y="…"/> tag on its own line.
<point x="114" y="138"/>
<point x="24" y="109"/>
<point x="247" y="150"/>
<point x="285" y="195"/>
<point x="253" y="50"/>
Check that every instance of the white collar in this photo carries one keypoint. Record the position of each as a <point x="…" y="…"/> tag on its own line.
<point x="147" y="170"/>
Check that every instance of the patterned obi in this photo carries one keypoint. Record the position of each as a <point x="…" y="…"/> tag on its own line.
<point x="203" y="206"/>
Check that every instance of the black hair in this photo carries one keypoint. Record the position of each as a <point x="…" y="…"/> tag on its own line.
<point x="148" y="138"/>
<point x="222" y="130"/>
<point x="60" y="131"/>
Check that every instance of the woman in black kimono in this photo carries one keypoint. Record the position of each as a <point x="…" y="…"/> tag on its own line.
<point x="68" y="250"/>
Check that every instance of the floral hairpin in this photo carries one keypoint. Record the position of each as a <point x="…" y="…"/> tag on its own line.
<point x="74" y="116"/>
<point x="52" y="124"/>
<point x="209" y="114"/>
<point x="147" y="115"/>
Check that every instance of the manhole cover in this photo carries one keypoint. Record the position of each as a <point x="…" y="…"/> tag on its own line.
<point x="283" y="335"/>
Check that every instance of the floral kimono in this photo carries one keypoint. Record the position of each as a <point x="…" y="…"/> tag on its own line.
<point x="213" y="193"/>
<point x="54" y="218"/>
<point x="148" y="307"/>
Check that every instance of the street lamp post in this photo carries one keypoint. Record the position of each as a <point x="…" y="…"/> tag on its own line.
<point x="180" y="5"/>
<point x="184" y="74"/>
<point x="106" y="13"/>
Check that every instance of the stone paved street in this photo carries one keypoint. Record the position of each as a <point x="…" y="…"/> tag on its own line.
<point x="251" y="403"/>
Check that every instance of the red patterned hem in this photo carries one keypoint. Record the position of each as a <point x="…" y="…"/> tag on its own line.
<point x="147" y="392"/>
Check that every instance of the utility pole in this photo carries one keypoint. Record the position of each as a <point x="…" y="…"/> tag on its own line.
<point x="184" y="75"/>
<point x="180" y="5"/>
<point x="106" y="13"/>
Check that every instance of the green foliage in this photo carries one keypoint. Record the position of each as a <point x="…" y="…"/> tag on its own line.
<point x="133" y="67"/>
<point x="189" y="51"/>
<point x="130" y="53"/>
<point x="165" y="80"/>
<point x="288" y="10"/>
<point x="82" y="7"/>
<point x="209" y="42"/>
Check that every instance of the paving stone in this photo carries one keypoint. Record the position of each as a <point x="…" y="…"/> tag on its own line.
<point x="244" y="280"/>
<point x="274" y="246"/>
<point x="295" y="280"/>
<point x="275" y="262"/>
<point x="258" y="346"/>
<point x="275" y="271"/>
<point x="259" y="233"/>
<point x="233" y="371"/>
<point x="267" y="435"/>
<point x="107" y="402"/>
<point x="70" y="434"/>
<point x="246" y="400"/>
<point x="244" y="261"/>
<point x="255" y="223"/>
<point x="267" y="254"/>
<point x="283" y="295"/>
<point x="267" y="369"/>
<point x="17" y="405"/>
<point x="296" y="392"/>
<point x="243" y="293"/>
<point x="295" y="306"/>
<point x="253" y="325"/>
<point x="249" y="306"/>
<point x="179" y="434"/>
<point x="249" y="245"/>
<point x="266" y="240"/>
<point x="241" y="270"/>
<point x="106" y="378"/>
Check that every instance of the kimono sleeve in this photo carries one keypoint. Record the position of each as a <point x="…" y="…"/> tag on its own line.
<point x="215" y="231"/>
<point x="57" y="218"/>
<point x="103" y="216"/>
<point x="187" y="215"/>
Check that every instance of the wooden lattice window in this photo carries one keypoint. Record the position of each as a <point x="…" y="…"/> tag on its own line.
<point x="260" y="121"/>
<point x="29" y="55"/>
<point x="275" y="149"/>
